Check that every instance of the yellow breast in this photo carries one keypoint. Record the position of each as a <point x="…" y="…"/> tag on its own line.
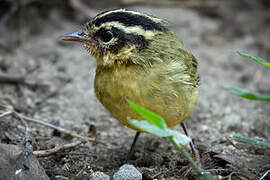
<point x="153" y="88"/>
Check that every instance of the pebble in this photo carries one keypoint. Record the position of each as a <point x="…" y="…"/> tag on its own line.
<point x="99" y="176"/>
<point x="127" y="172"/>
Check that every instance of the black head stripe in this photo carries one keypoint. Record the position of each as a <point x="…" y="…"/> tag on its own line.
<point x="124" y="39"/>
<point x="127" y="39"/>
<point x="129" y="19"/>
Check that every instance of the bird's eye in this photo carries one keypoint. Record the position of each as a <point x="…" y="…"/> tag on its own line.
<point x="107" y="36"/>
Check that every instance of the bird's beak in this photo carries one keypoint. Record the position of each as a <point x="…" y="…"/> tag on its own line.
<point x="78" y="36"/>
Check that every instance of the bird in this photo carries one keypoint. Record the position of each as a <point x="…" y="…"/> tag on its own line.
<point x="140" y="58"/>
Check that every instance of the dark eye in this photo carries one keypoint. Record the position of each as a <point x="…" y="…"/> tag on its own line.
<point x="107" y="36"/>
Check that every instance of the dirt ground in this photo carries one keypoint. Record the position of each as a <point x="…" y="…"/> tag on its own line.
<point x="69" y="70"/>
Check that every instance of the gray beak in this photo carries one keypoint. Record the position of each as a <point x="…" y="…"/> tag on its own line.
<point x="74" y="36"/>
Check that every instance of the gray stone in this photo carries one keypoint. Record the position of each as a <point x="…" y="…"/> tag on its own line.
<point x="99" y="176"/>
<point x="127" y="172"/>
<point x="18" y="162"/>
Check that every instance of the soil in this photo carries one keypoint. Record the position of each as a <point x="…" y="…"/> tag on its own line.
<point x="37" y="54"/>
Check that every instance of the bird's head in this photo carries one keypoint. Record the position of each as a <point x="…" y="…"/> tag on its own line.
<point x="120" y="36"/>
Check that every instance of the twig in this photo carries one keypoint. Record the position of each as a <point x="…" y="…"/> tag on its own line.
<point x="265" y="174"/>
<point x="48" y="152"/>
<point x="43" y="153"/>
<point x="5" y="114"/>
<point x="156" y="175"/>
<point x="11" y="111"/>
<point x="65" y="131"/>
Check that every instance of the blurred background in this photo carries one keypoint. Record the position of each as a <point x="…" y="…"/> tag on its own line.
<point x="53" y="81"/>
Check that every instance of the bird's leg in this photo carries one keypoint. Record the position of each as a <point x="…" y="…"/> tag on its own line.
<point x="194" y="150"/>
<point x="132" y="148"/>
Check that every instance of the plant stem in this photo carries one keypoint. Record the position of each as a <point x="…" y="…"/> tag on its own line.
<point x="184" y="153"/>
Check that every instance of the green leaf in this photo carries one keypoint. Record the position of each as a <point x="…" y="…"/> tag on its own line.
<point x="254" y="58"/>
<point x="248" y="95"/>
<point x="152" y="117"/>
<point x="150" y="128"/>
<point x="179" y="138"/>
<point x="251" y="141"/>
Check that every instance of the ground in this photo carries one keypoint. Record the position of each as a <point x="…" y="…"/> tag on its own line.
<point x="70" y="70"/>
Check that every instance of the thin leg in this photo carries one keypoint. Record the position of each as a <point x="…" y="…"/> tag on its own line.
<point x="132" y="148"/>
<point x="194" y="150"/>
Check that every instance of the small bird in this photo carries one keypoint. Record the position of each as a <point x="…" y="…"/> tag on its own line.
<point x="140" y="58"/>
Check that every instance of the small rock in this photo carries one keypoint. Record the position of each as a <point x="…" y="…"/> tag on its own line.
<point x="127" y="172"/>
<point x="18" y="162"/>
<point x="99" y="176"/>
